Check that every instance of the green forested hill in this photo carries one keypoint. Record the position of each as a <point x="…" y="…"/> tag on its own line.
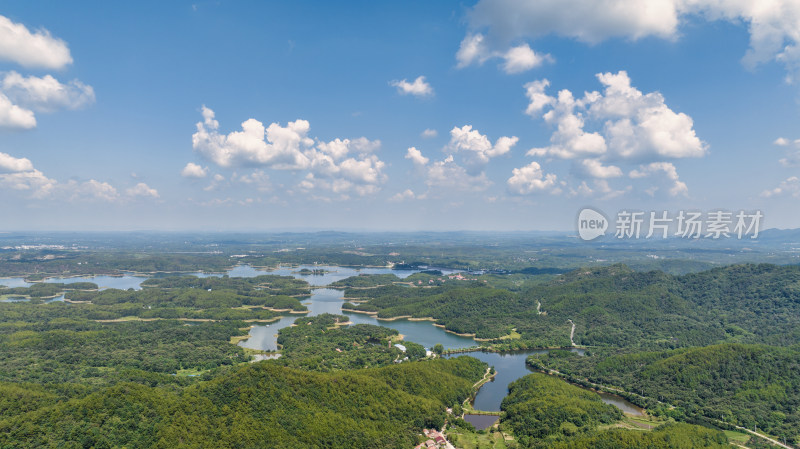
<point x="668" y="436"/>
<point x="721" y="344"/>
<point x="540" y="410"/>
<point x="87" y="352"/>
<point x="746" y="385"/>
<point x="322" y="343"/>
<point x="613" y="306"/>
<point x="257" y="406"/>
<point x="546" y="412"/>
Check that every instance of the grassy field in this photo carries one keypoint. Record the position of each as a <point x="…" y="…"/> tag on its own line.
<point x="514" y="335"/>
<point x="737" y="437"/>
<point x="467" y="440"/>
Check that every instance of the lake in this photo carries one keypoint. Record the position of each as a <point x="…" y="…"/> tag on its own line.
<point x="481" y="422"/>
<point x="103" y="282"/>
<point x="328" y="300"/>
<point x="510" y="366"/>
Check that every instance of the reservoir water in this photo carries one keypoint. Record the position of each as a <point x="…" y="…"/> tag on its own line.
<point x="103" y="282"/>
<point x="509" y="366"/>
<point x="481" y="422"/>
<point x="328" y="300"/>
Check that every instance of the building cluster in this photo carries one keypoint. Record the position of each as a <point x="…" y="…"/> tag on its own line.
<point x="453" y="277"/>
<point x="435" y="440"/>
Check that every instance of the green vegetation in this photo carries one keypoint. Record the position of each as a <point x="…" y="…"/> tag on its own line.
<point x="155" y="368"/>
<point x="464" y="436"/>
<point x="367" y="280"/>
<point x="546" y="412"/>
<point x="112" y="331"/>
<point x="261" y="405"/>
<point x="611" y="306"/>
<point x="320" y="343"/>
<point x="745" y="385"/>
<point x="679" y="335"/>
<point x="468" y="307"/>
<point x="187" y="297"/>
<point x="668" y="436"/>
<point x="541" y="410"/>
<point x="258" y="286"/>
<point x="70" y="350"/>
<point x="46" y="289"/>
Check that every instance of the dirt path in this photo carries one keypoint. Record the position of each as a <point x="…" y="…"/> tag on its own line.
<point x="761" y="435"/>
<point x="600" y="387"/>
<point x="572" y="334"/>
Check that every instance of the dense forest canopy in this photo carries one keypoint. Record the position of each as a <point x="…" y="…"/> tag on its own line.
<point x="546" y="412"/>
<point x="256" y="406"/>
<point x="610" y="306"/>
<point x="746" y="385"/>
<point x="156" y="368"/>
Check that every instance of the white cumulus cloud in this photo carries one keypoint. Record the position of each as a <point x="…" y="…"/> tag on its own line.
<point x="416" y="156"/>
<point x="11" y="164"/>
<point x="792" y="151"/>
<point x="522" y="58"/>
<point x="667" y="172"/>
<point x="192" y="170"/>
<point x="31" y="49"/>
<point x="602" y="132"/>
<point x="91" y="190"/>
<point x="405" y="195"/>
<point x="19" y="175"/>
<point x="21" y="95"/>
<point x="474" y="49"/>
<point x="13" y="116"/>
<point x="450" y="175"/>
<point x="474" y="151"/>
<point x="419" y="87"/>
<point x="495" y="24"/>
<point x="429" y="133"/>
<point x="538" y="99"/>
<point x="596" y="169"/>
<point x="341" y="166"/>
<point x="277" y="146"/>
<point x="476" y="147"/>
<point x="629" y="124"/>
<point x="791" y="187"/>
<point x="529" y="179"/>
<point x="46" y="93"/>
<point x="142" y="190"/>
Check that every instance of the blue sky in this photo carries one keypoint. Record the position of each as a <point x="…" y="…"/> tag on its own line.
<point x="313" y="115"/>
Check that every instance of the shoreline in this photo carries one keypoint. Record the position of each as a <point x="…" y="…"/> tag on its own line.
<point x="426" y="318"/>
<point x="290" y="311"/>
<point x="359" y="311"/>
<point x="199" y="320"/>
